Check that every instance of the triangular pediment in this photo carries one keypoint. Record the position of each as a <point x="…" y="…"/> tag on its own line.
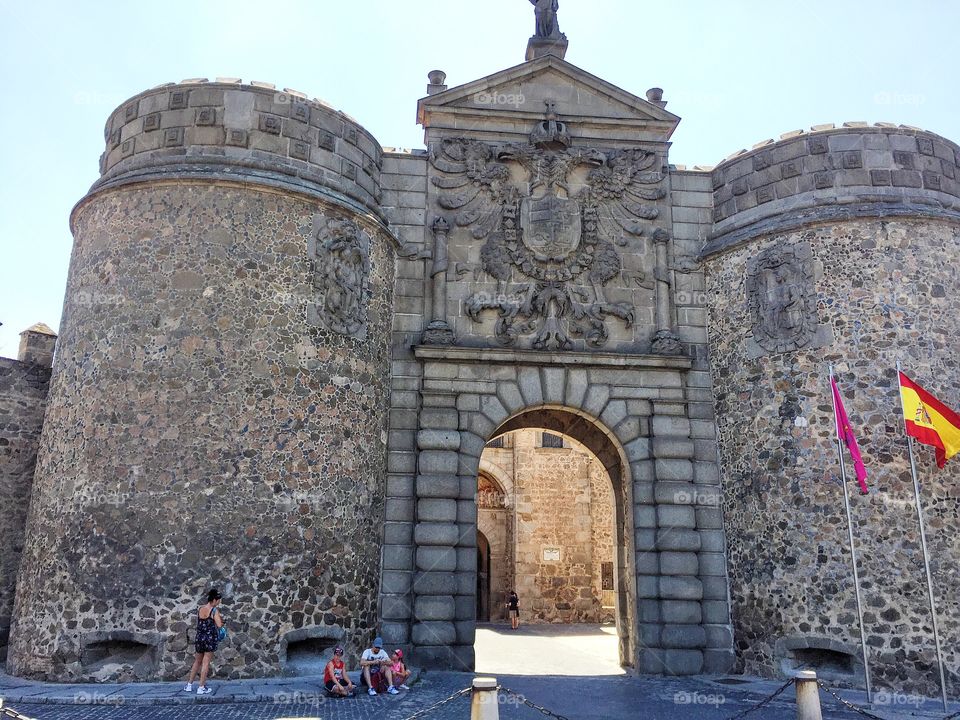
<point x="519" y="95"/>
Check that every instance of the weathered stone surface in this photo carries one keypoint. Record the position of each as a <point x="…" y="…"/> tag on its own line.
<point x="437" y="510"/>
<point x="683" y="662"/>
<point x="683" y="636"/>
<point x="395" y="607"/>
<point x="435" y="583"/>
<point x="678" y="540"/>
<point x="675" y="516"/>
<point x="433" y="533"/>
<point x="438" y="462"/>
<point x="681" y="612"/>
<point x="681" y="588"/>
<point x="438" y="486"/>
<point x="202" y="408"/>
<point x="438" y="440"/>
<point x="434" y="633"/>
<point x="674" y="563"/>
<point x="23" y="391"/>
<point x="395" y="583"/>
<point x="673" y="447"/>
<point x="434" y="607"/>
<point x="436" y="559"/>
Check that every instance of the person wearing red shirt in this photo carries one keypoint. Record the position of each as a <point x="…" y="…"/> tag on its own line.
<point x="335" y="677"/>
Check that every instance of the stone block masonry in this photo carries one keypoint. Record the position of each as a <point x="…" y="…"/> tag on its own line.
<point x="23" y="392"/>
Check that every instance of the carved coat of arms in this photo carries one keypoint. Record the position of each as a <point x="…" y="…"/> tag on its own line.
<point x="341" y="276"/>
<point x="551" y="217"/>
<point x="782" y="299"/>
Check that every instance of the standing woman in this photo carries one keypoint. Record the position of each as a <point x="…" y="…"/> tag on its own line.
<point x="209" y="624"/>
<point x="513" y="605"/>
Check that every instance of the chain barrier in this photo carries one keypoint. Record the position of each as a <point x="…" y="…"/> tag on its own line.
<point x="846" y="703"/>
<point x="7" y="712"/>
<point x="862" y="711"/>
<point x="763" y="703"/>
<point x="542" y="710"/>
<point x="437" y="706"/>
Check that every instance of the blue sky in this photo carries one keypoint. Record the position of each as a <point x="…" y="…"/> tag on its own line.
<point x="736" y="71"/>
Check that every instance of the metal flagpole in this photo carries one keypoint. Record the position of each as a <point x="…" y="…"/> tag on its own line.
<point x="853" y="551"/>
<point x="923" y="545"/>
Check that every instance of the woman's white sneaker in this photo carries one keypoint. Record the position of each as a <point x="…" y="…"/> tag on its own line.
<point x="204" y="691"/>
<point x="188" y="687"/>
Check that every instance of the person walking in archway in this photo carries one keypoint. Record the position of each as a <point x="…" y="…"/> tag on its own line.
<point x="513" y="606"/>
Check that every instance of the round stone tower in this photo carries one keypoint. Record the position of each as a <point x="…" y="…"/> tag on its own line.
<point x="839" y="246"/>
<point x="217" y="415"/>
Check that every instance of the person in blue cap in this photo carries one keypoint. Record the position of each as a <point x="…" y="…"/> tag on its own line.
<point x="375" y="669"/>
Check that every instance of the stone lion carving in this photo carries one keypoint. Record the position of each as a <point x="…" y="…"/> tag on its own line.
<point x="341" y="276"/>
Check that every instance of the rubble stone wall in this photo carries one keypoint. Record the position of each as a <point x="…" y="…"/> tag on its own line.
<point x="858" y="292"/>
<point x="219" y="415"/>
<point x="23" y="392"/>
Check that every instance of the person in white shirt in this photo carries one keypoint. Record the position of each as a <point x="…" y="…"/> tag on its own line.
<point x="375" y="667"/>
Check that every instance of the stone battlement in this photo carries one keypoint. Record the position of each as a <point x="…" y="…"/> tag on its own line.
<point x="212" y="129"/>
<point x="830" y="172"/>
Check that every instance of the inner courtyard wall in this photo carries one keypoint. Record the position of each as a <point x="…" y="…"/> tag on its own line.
<point x="559" y="522"/>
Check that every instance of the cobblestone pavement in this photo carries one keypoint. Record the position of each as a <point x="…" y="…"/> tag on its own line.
<point x="578" y="698"/>
<point x="569" y="670"/>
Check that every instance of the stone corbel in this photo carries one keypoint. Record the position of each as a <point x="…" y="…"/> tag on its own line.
<point x="665" y="340"/>
<point x="439" y="332"/>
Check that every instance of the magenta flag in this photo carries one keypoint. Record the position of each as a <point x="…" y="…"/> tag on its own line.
<point x="845" y="433"/>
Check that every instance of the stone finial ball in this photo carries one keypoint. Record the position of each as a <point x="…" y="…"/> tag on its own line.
<point x="655" y="94"/>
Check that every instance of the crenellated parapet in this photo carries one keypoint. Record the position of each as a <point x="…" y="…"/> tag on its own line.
<point x="833" y="173"/>
<point x="225" y="129"/>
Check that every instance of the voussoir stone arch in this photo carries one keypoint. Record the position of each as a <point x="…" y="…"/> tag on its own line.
<point x="635" y="415"/>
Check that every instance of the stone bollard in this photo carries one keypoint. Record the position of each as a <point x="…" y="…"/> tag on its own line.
<point x="484" y="705"/>
<point x="808" y="696"/>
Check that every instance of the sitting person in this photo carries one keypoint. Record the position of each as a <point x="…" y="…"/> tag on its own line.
<point x="399" y="670"/>
<point x="375" y="669"/>
<point x="335" y="677"/>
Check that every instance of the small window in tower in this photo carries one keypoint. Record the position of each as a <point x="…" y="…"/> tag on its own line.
<point x="549" y="440"/>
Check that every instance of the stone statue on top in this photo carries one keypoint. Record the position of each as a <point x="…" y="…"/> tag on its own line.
<point x="546" y="12"/>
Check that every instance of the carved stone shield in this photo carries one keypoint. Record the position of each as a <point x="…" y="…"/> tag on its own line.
<point x="551" y="227"/>
<point x="782" y="299"/>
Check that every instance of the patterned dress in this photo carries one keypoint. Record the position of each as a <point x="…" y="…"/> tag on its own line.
<point x="207" y="637"/>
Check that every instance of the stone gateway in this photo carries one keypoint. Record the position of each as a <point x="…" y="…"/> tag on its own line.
<point x="309" y="355"/>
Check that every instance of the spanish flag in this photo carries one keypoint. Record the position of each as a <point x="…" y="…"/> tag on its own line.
<point x="929" y="420"/>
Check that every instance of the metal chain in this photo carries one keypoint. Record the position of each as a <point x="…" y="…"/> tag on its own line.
<point x="848" y="704"/>
<point x="8" y="712"/>
<point x="763" y="703"/>
<point x="421" y="713"/>
<point x="538" y="708"/>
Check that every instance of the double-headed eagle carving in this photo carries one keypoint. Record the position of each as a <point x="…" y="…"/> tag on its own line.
<point x="551" y="217"/>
